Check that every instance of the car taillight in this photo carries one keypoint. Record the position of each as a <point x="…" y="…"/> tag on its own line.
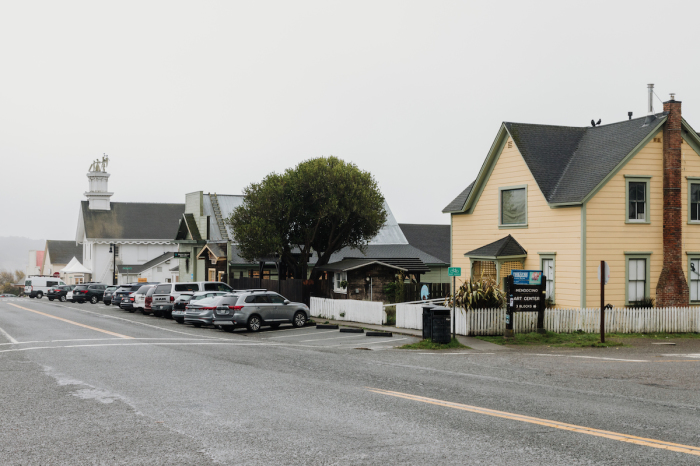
<point x="131" y="299"/>
<point x="149" y="300"/>
<point x="172" y="298"/>
<point x="187" y="307"/>
<point x="236" y="308"/>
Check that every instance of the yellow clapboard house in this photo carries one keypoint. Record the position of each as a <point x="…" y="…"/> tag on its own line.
<point x="561" y="199"/>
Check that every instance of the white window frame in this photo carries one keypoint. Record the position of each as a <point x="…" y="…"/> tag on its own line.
<point x="647" y="198"/>
<point x="630" y="256"/>
<point x="337" y="278"/>
<point x="551" y="287"/>
<point x="694" y="276"/>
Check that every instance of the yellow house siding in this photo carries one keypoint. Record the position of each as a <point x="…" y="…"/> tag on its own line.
<point x="549" y="229"/>
<point x="608" y="237"/>
<point x="691" y="233"/>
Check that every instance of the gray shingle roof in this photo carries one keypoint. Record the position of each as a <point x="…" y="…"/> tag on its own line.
<point x="133" y="220"/>
<point x="138" y="268"/>
<point x="351" y="264"/>
<point x="458" y="203"/>
<point x="192" y="227"/>
<point x="503" y="247"/>
<point x="567" y="162"/>
<point x="377" y="251"/>
<point x="433" y="239"/>
<point x="61" y="252"/>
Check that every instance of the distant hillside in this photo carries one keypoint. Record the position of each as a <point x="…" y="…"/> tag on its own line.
<point x="14" y="251"/>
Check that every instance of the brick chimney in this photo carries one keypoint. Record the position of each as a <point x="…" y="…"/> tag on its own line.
<point x="672" y="288"/>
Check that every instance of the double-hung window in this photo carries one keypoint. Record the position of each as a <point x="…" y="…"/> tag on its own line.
<point x="513" y="207"/>
<point x="636" y="280"/>
<point x="338" y="280"/>
<point x="548" y="271"/>
<point x="694" y="201"/>
<point x="694" y="276"/>
<point x="637" y="197"/>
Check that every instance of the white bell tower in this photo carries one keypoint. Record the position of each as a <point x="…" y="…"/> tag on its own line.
<point x="98" y="196"/>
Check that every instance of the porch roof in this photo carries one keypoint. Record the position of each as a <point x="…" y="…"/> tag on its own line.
<point x="503" y="248"/>
<point x="347" y="265"/>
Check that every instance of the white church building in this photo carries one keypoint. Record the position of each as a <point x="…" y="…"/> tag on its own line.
<point x="133" y="238"/>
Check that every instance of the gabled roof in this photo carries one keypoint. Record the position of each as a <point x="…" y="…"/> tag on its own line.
<point x="568" y="163"/>
<point x="132" y="221"/>
<point x="217" y="249"/>
<point x="351" y="264"/>
<point x="433" y="239"/>
<point x="61" y="252"/>
<point x="504" y="247"/>
<point x="74" y="266"/>
<point x="138" y="268"/>
<point x="191" y="225"/>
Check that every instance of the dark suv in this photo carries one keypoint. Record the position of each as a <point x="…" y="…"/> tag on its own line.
<point x="59" y="292"/>
<point x="92" y="292"/>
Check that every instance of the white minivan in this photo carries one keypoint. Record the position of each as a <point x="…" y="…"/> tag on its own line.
<point x="36" y="287"/>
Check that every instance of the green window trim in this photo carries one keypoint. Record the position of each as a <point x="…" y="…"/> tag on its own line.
<point x="637" y="179"/>
<point x="637" y="255"/>
<point x="501" y="225"/>
<point x="553" y="257"/>
<point x="690" y="257"/>
<point x="691" y="180"/>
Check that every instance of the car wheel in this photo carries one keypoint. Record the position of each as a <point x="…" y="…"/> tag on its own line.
<point x="93" y="300"/>
<point x="39" y="295"/>
<point x="63" y="299"/>
<point x="254" y="323"/>
<point x="299" y="319"/>
<point x="274" y="325"/>
<point x="50" y="299"/>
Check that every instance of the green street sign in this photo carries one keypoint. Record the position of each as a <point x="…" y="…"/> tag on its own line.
<point x="126" y="268"/>
<point x="454" y="271"/>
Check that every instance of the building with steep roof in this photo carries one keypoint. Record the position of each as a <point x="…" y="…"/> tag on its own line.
<point x="562" y="199"/>
<point x="57" y="254"/>
<point x="123" y="236"/>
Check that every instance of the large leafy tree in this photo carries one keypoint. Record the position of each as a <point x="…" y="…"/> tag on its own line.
<point x="322" y="205"/>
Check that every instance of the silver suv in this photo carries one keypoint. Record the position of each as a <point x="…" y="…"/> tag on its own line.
<point x="255" y="309"/>
<point x="184" y="300"/>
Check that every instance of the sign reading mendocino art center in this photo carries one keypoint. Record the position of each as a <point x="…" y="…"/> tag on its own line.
<point x="526" y="293"/>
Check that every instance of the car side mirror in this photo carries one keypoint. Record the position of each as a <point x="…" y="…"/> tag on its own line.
<point x="286" y="301"/>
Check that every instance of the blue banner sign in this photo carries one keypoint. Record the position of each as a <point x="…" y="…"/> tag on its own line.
<point x="527" y="277"/>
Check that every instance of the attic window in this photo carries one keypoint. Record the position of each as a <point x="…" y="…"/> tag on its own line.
<point x="510" y="144"/>
<point x="657" y="139"/>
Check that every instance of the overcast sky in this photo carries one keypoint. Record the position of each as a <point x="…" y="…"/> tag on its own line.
<point x="188" y="96"/>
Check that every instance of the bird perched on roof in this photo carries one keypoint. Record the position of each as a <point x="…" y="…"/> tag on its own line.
<point x="593" y="123"/>
<point x="597" y="122"/>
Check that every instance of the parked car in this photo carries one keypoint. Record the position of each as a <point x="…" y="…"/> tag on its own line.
<point x="37" y="287"/>
<point x="140" y="297"/>
<point x="107" y="296"/>
<point x="69" y="295"/>
<point x="182" y="301"/>
<point x="122" y="297"/>
<point x="255" y="309"/>
<point x="91" y="292"/>
<point x="166" y="293"/>
<point x="59" y="292"/>
<point x="201" y="312"/>
<point x="147" y="305"/>
<point x="8" y="295"/>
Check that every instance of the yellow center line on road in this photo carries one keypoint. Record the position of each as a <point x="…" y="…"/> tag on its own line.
<point x="689" y="449"/>
<point x="72" y="322"/>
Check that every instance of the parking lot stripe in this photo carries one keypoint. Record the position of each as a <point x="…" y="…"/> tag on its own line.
<point x="8" y="336"/>
<point x="689" y="449"/>
<point x="72" y="322"/>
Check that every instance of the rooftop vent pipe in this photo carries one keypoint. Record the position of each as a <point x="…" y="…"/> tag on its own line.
<point x="650" y="115"/>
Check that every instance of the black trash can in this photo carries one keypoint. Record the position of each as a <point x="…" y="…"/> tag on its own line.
<point x="427" y="322"/>
<point x="441" y="328"/>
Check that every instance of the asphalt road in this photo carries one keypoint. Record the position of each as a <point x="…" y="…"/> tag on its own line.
<point x="91" y="384"/>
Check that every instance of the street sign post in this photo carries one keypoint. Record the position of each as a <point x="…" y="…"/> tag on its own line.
<point x="604" y="278"/>
<point x="182" y="255"/>
<point x="454" y="272"/>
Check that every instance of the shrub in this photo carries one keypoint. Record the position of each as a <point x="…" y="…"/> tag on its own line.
<point x="478" y="294"/>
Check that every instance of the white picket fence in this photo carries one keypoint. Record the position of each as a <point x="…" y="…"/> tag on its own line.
<point x="617" y="320"/>
<point x="366" y="312"/>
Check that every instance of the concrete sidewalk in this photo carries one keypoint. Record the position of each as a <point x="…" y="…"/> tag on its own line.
<point x="473" y="343"/>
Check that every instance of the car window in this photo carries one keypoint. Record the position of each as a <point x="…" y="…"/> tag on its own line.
<point x="187" y="287"/>
<point x="199" y="297"/>
<point x="163" y="289"/>
<point x="262" y="299"/>
<point x="27" y="283"/>
<point x="151" y="291"/>
<point x="210" y="287"/>
<point x="250" y="299"/>
<point x="81" y="287"/>
<point x="184" y="297"/>
<point x="51" y="283"/>
<point x="207" y="301"/>
<point x="223" y="287"/>
<point x="144" y="289"/>
<point x="276" y="299"/>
